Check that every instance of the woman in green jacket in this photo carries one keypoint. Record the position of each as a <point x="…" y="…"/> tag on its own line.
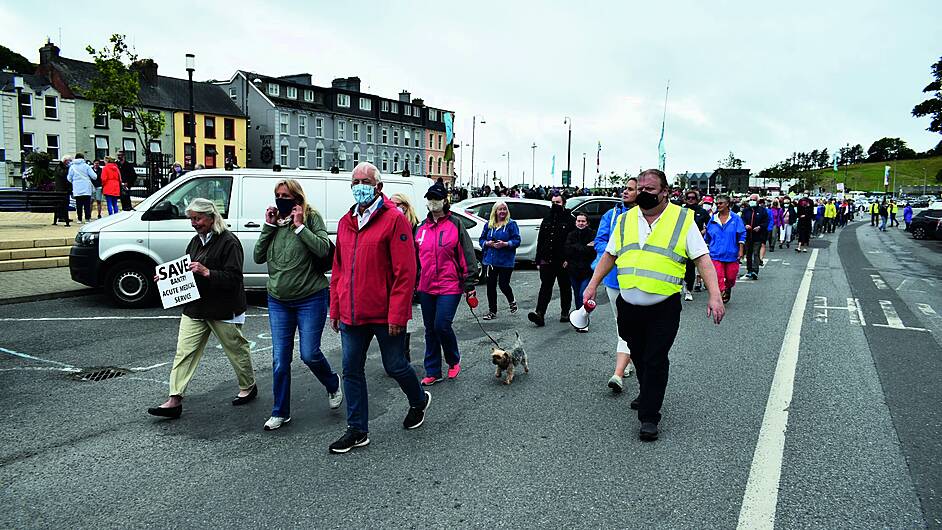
<point x="294" y="242"/>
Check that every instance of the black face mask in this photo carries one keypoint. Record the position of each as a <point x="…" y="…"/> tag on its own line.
<point x="284" y="206"/>
<point x="647" y="200"/>
<point x="557" y="207"/>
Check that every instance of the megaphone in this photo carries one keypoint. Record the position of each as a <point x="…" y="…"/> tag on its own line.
<point x="580" y="317"/>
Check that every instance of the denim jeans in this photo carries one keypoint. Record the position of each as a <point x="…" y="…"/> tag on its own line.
<point x="355" y="341"/>
<point x="578" y="288"/>
<point x="438" y="312"/>
<point x="308" y="316"/>
<point x="112" y="204"/>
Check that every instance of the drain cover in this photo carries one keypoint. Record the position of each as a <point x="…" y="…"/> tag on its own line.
<point x="100" y="374"/>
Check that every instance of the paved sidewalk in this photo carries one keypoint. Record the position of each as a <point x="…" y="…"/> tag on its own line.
<point x="38" y="284"/>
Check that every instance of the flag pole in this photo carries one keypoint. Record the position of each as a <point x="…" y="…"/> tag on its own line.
<point x="662" y="153"/>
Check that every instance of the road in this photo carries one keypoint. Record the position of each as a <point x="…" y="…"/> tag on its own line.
<point x="851" y="343"/>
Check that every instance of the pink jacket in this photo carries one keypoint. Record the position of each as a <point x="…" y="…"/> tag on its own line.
<point x="446" y="257"/>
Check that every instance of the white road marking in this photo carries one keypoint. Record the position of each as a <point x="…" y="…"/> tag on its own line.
<point x="40" y="369"/>
<point x="856" y="315"/>
<point x="893" y="320"/>
<point x="927" y="310"/>
<point x="878" y="281"/>
<point x="31" y="358"/>
<point x="146" y="368"/>
<point x="762" y="488"/>
<point x="854" y="312"/>
<point x="821" y="309"/>
<point x="72" y="319"/>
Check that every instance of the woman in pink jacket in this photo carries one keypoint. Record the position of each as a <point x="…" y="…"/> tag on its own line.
<point x="449" y="269"/>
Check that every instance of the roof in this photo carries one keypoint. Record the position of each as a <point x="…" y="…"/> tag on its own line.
<point x="35" y="82"/>
<point x="169" y="93"/>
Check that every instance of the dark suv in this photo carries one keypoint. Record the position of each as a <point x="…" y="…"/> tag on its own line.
<point x="593" y="207"/>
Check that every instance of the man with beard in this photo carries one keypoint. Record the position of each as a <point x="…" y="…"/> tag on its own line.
<point x="551" y="260"/>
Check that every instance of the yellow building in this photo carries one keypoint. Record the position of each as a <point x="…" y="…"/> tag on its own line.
<point x="219" y="137"/>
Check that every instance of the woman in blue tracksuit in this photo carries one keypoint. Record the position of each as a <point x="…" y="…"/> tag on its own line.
<point x="499" y="241"/>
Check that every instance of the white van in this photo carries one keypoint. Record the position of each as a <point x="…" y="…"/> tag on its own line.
<point x="119" y="252"/>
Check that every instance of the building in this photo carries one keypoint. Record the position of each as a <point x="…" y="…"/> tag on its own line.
<point x="719" y="180"/>
<point x="48" y="123"/>
<point x="295" y="123"/>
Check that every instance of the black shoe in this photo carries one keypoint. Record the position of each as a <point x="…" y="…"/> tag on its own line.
<point x="246" y="399"/>
<point x="635" y="402"/>
<point x="350" y="440"/>
<point x="513" y="307"/>
<point x="726" y="295"/>
<point x="564" y="317"/>
<point x="648" y="432"/>
<point x="166" y="412"/>
<point x="537" y="319"/>
<point x="416" y="415"/>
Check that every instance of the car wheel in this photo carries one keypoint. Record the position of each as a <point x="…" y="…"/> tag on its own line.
<point x="129" y="284"/>
<point x="919" y="233"/>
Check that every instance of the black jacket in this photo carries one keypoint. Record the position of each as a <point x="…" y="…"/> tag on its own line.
<point x="700" y="216"/>
<point x="580" y="252"/>
<point x="128" y="176"/>
<point x="754" y="217"/>
<point x="551" y="242"/>
<point x="222" y="295"/>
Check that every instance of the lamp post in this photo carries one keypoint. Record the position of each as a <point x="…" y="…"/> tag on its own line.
<point x="18" y="85"/>
<point x="474" y="123"/>
<point x="507" y="154"/>
<point x="583" y="170"/>
<point x="568" y="120"/>
<point x="190" y="67"/>
<point x="533" y="164"/>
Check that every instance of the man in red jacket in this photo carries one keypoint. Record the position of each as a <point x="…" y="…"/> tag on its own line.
<point x="371" y="287"/>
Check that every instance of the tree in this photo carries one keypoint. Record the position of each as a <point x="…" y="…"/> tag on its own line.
<point x="10" y="60"/>
<point x="889" y="149"/>
<point x="933" y="106"/>
<point x="856" y="154"/>
<point x="824" y="159"/>
<point x="116" y="91"/>
<point x="730" y="162"/>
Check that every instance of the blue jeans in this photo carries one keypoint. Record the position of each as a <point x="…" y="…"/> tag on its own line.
<point x="438" y="312"/>
<point x="112" y="202"/>
<point x="355" y="341"/>
<point x="308" y="316"/>
<point x="578" y="288"/>
<point x="883" y="223"/>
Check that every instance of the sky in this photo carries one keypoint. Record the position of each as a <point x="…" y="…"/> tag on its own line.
<point x="759" y="80"/>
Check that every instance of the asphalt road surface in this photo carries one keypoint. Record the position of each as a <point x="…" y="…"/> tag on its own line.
<point x="815" y="404"/>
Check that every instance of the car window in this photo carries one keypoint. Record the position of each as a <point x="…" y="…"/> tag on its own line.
<point x="216" y="189"/>
<point x="483" y="210"/>
<point x="467" y="223"/>
<point x="522" y="211"/>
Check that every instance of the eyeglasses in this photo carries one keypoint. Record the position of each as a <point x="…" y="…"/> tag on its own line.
<point x="691" y="197"/>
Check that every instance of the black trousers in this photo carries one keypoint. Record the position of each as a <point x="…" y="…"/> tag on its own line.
<point x="650" y="331"/>
<point x="753" y="251"/>
<point x="498" y="276"/>
<point x="873" y="219"/>
<point x="125" y="200"/>
<point x="83" y="204"/>
<point x="550" y="273"/>
<point x="690" y="275"/>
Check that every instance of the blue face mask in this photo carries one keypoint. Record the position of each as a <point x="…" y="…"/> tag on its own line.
<point x="363" y="194"/>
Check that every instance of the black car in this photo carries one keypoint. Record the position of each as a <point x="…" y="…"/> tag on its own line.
<point x="593" y="207"/>
<point x="927" y="224"/>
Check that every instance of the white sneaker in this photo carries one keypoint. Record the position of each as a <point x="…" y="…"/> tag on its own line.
<point x="275" y="422"/>
<point x="629" y="369"/>
<point x="688" y="297"/>
<point x="335" y="399"/>
<point x="616" y="384"/>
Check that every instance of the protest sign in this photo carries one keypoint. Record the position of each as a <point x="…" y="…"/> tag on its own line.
<point x="176" y="283"/>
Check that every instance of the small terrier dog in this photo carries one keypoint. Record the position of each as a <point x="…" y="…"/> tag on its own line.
<point x="506" y="361"/>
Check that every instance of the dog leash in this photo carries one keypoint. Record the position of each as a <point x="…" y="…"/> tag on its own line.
<point x="482" y="328"/>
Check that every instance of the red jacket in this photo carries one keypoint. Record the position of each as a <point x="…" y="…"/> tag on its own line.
<point x="373" y="274"/>
<point x="111" y="180"/>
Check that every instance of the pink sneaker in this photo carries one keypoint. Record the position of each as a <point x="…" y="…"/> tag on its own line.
<point x="428" y="381"/>
<point x="453" y="371"/>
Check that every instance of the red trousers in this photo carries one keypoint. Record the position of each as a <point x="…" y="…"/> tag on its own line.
<point x="726" y="273"/>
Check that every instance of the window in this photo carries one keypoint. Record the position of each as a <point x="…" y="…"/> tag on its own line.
<point x="155" y="147"/>
<point x="230" y="155"/>
<point x="319" y="156"/>
<point x="395" y="162"/>
<point x="524" y="210"/>
<point x="385" y="162"/>
<point x="52" y="107"/>
<point x="302" y="156"/>
<point x="341" y="157"/>
<point x="366" y="104"/>
<point x="216" y="189"/>
<point x="101" y="120"/>
<point x="274" y="90"/>
<point x="431" y="139"/>
<point x="395" y="136"/>
<point x="356" y="155"/>
<point x="343" y="100"/>
<point x="209" y="127"/>
<point x="385" y="106"/>
<point x="26" y="142"/>
<point x="26" y="105"/>
<point x="187" y="125"/>
<point x="417" y="112"/>
<point x="415" y="138"/>
<point x="101" y="147"/>
<point x="406" y="138"/>
<point x="430" y="162"/>
<point x="483" y="210"/>
<point x="370" y="155"/>
<point x="369" y="134"/>
<point x="407" y="110"/>
<point x="356" y="132"/>
<point x="385" y="137"/>
<point x="232" y="94"/>
<point x="228" y="128"/>
<point x="418" y="168"/>
<point x="291" y="92"/>
<point x="209" y="156"/>
<point x="283" y="155"/>
<point x="308" y="95"/>
<point x="302" y="125"/>
<point x="283" y="123"/>
<point x="52" y="146"/>
<point x="394" y="107"/>
<point x="127" y="121"/>
<point x="432" y="114"/>
<point x="341" y="130"/>
<point x="439" y="166"/>
<point x="129" y="146"/>
<point x="439" y="142"/>
<point x="319" y="127"/>
<point x="405" y="163"/>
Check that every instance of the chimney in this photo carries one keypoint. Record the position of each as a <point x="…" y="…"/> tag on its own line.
<point x="304" y="79"/>
<point x="347" y="83"/>
<point x="405" y="96"/>
<point x="146" y="70"/>
<point x="418" y="102"/>
<point x="48" y="53"/>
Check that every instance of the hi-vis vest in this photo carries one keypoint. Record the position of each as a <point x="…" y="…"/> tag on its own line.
<point x="659" y="267"/>
<point x="874" y="208"/>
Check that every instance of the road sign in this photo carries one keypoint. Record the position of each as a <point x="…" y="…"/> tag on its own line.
<point x="567" y="177"/>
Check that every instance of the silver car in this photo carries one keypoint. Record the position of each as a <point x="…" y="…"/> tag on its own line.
<point x="528" y="213"/>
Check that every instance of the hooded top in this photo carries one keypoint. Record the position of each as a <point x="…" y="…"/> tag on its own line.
<point x="82" y="177"/>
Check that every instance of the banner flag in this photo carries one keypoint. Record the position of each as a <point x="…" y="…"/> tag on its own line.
<point x="661" y="153"/>
<point x="553" y="168"/>
<point x="449" y="136"/>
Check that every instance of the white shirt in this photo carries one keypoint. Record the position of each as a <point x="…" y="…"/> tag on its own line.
<point x="363" y="218"/>
<point x="696" y="247"/>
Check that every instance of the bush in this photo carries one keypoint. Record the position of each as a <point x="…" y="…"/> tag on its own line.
<point x="40" y="176"/>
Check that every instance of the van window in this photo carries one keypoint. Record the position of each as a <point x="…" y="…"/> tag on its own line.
<point x="522" y="211"/>
<point x="259" y="192"/>
<point x="216" y="189"/>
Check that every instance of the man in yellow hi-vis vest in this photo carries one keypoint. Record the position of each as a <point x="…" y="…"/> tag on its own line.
<point x="650" y="246"/>
<point x="874" y="213"/>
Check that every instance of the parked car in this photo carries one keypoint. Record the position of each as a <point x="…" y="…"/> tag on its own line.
<point x="927" y="224"/>
<point x="528" y="213"/>
<point x="119" y="252"/>
<point x="593" y="206"/>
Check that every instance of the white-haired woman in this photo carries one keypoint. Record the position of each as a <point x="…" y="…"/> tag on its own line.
<point x="216" y="261"/>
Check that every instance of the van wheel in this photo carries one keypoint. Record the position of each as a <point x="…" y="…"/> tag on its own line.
<point x="129" y="284"/>
<point x="919" y="233"/>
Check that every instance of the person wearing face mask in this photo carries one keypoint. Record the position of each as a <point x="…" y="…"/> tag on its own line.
<point x="649" y="247"/>
<point x="726" y="236"/>
<point x="499" y="241"/>
<point x="404" y="205"/>
<point x="623" y="366"/>
<point x="775" y="224"/>
<point x="175" y="172"/>
<point x="805" y="215"/>
<point x="756" y="219"/>
<point x="789" y="218"/>
<point x="700" y="217"/>
<point x="371" y="283"/>
<point x="551" y="260"/>
<point x="580" y="253"/>
<point x="293" y="238"/>
<point x="449" y="269"/>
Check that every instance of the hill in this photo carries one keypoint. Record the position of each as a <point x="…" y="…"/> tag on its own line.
<point x="10" y="60"/>
<point x="869" y="176"/>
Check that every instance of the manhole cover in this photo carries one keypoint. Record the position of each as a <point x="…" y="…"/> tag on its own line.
<point x="99" y="374"/>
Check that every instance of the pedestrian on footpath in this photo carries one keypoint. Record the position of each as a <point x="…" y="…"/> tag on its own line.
<point x="908" y="215"/>
<point x="701" y="218"/>
<point x="551" y="260"/>
<point x="404" y="205"/>
<point x="874" y="213"/>
<point x="62" y="184"/>
<point x="884" y="212"/>
<point x="216" y="258"/>
<point x="372" y="281"/>
<point x="82" y="179"/>
<point x="448" y="271"/>
<point x="623" y="366"/>
<point x="580" y="253"/>
<point x="805" y="215"/>
<point x="726" y="237"/>
<point x="756" y="220"/>
<point x="893" y="209"/>
<point x="499" y="241"/>
<point x="128" y="179"/>
<point x="295" y="245"/>
<point x="111" y="184"/>
<point x="830" y="216"/>
<point x="648" y="249"/>
<point x="97" y="167"/>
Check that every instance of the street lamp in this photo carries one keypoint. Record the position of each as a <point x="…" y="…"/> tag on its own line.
<point x="190" y="67"/>
<point x="18" y="85"/>
<point x="533" y="164"/>
<point x="474" y="122"/>
<point x="568" y="120"/>
<point x="583" y="170"/>
<point x="507" y="154"/>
